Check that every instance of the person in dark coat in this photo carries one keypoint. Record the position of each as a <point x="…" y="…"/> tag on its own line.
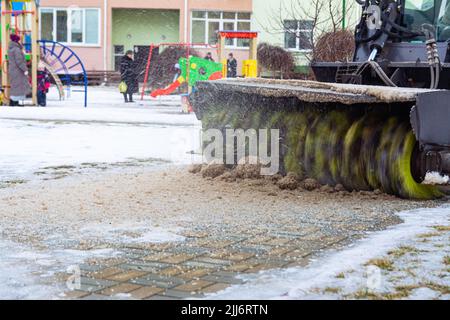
<point x="209" y="57"/>
<point x="231" y="66"/>
<point x="18" y="72"/>
<point x="129" y="76"/>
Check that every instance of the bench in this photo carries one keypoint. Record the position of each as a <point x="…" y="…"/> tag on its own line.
<point x="96" y="77"/>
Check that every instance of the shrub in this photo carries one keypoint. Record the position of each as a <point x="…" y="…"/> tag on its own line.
<point x="334" y="46"/>
<point x="274" y="58"/>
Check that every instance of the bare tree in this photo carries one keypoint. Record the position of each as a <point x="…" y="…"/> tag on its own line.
<point x="322" y="16"/>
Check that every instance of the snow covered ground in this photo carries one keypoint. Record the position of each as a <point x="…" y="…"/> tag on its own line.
<point x="26" y="273"/>
<point x="106" y="105"/>
<point x="108" y="131"/>
<point x="408" y="261"/>
<point x="65" y="137"/>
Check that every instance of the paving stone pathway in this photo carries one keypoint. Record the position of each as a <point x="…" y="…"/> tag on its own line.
<point x="200" y="265"/>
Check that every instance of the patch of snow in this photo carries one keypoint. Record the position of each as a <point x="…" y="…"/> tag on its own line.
<point x="108" y="131"/>
<point x="158" y="235"/>
<point x="423" y="294"/>
<point x="311" y="282"/>
<point x="132" y="233"/>
<point x="435" y="178"/>
<point x="29" y="274"/>
<point x="31" y="146"/>
<point x="106" y="106"/>
<point x="122" y="296"/>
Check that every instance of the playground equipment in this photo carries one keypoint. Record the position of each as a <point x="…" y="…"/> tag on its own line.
<point x="193" y="69"/>
<point x="250" y="66"/>
<point x="179" y="81"/>
<point x="62" y="63"/>
<point x="20" y="18"/>
<point x="66" y="64"/>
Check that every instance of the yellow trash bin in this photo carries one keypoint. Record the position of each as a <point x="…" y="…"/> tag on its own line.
<point x="250" y="68"/>
<point x="224" y="68"/>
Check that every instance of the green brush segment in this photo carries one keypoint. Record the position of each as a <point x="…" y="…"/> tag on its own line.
<point x="360" y="150"/>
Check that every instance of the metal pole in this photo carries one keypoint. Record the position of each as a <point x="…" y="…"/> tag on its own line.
<point x="147" y="69"/>
<point x="344" y="6"/>
<point x="35" y="52"/>
<point x="5" y="31"/>
<point x="105" y="36"/>
<point x="186" y="10"/>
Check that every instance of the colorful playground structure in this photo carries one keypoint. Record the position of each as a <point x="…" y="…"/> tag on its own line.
<point x="61" y="62"/>
<point x="194" y="69"/>
<point x="250" y="66"/>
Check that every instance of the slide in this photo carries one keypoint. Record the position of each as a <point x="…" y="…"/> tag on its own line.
<point x="168" y="90"/>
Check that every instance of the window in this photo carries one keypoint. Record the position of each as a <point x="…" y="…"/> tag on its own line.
<point x="47" y="23"/>
<point x="92" y="25"/>
<point x="71" y="25"/>
<point x="61" y="26"/>
<point x="205" y="25"/>
<point x="198" y="31"/>
<point x="119" y="52"/>
<point x="77" y="26"/>
<point x="213" y="27"/>
<point x="298" y="35"/>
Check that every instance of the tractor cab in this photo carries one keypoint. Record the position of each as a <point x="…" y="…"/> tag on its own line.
<point x="436" y="13"/>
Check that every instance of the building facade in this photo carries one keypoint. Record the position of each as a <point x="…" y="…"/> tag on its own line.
<point x="290" y="23"/>
<point x="101" y="31"/>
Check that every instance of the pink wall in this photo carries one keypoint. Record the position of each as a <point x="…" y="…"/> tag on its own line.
<point x="94" y="57"/>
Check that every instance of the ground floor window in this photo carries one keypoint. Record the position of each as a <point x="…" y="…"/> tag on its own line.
<point x="298" y="35"/>
<point x="205" y="25"/>
<point x="119" y="52"/>
<point x="71" y="25"/>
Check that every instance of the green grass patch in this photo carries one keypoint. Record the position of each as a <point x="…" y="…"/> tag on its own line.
<point x="442" y="228"/>
<point x="366" y="295"/>
<point x="443" y="289"/>
<point x="384" y="264"/>
<point x="11" y="183"/>
<point x="64" y="167"/>
<point x="332" y="290"/>
<point x="446" y="260"/>
<point x="428" y="235"/>
<point x="401" y="251"/>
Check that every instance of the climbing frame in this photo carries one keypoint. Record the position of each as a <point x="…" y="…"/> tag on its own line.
<point x="21" y="18"/>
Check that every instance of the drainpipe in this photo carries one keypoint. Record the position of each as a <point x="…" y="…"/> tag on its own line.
<point x="105" y="33"/>
<point x="186" y="20"/>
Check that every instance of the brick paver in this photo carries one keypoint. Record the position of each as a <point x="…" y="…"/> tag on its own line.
<point x="121" y="288"/>
<point x="126" y="275"/>
<point x="194" y="285"/>
<point x="202" y="264"/>
<point x="145" y="292"/>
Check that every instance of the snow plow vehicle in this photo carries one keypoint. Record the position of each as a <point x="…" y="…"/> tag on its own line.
<point x="380" y="121"/>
